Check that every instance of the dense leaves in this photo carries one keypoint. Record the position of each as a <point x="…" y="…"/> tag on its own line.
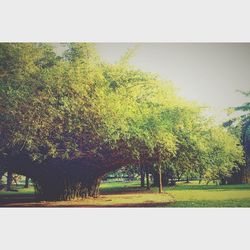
<point x="76" y="108"/>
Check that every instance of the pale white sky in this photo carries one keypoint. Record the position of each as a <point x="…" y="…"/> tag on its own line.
<point x="209" y="73"/>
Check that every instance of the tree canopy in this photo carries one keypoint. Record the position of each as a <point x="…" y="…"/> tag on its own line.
<point x="76" y="117"/>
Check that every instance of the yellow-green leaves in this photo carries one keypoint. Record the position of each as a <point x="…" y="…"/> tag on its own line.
<point x="77" y="106"/>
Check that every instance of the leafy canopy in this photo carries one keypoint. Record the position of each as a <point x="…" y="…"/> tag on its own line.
<point x="78" y="106"/>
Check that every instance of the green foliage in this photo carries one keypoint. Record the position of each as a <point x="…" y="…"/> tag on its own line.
<point x="77" y="106"/>
<point x="240" y="127"/>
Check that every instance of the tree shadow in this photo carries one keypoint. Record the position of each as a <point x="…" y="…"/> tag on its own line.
<point x="122" y="190"/>
<point x="17" y="198"/>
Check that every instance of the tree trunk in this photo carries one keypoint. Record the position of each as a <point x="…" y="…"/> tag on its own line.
<point x="156" y="178"/>
<point x="1" y="174"/>
<point x="246" y="168"/>
<point x="57" y="179"/>
<point x="179" y="175"/>
<point x="147" y="179"/>
<point x="26" y="185"/>
<point x="67" y="189"/>
<point x="160" y="180"/>
<point x="222" y="181"/>
<point x="142" y="172"/>
<point x="61" y="179"/>
<point x="9" y="180"/>
<point x="200" y="177"/>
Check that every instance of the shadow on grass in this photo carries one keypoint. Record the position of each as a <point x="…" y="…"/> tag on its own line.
<point x="121" y="205"/>
<point x="16" y="198"/>
<point x="127" y="205"/>
<point x="122" y="190"/>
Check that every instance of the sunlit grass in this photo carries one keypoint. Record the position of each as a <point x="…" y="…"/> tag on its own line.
<point x="19" y="191"/>
<point x="195" y="195"/>
<point x="118" y="200"/>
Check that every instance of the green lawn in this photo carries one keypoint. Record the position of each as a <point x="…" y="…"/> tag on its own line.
<point x="195" y="194"/>
<point x="182" y="195"/>
<point x="20" y="190"/>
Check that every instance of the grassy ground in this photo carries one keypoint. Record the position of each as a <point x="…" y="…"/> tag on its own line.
<point x="195" y="195"/>
<point x="118" y="194"/>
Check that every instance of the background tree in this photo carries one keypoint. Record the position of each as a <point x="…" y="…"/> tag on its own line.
<point x="240" y="127"/>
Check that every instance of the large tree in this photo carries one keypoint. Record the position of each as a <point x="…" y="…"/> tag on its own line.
<point x="67" y="121"/>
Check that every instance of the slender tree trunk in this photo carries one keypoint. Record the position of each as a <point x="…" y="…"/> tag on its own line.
<point x="160" y="179"/>
<point x="147" y="178"/>
<point x="9" y="181"/>
<point x="200" y="178"/>
<point x="26" y="182"/>
<point x="1" y="175"/>
<point x="142" y="172"/>
<point x="155" y="178"/>
<point x="247" y="168"/>
<point x="179" y="175"/>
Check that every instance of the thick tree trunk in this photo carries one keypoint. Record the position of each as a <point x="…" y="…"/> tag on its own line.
<point x="142" y="172"/>
<point x="68" y="188"/>
<point x="67" y="182"/>
<point x="60" y="179"/>
<point x="57" y="179"/>
<point x="160" y="180"/>
<point x="26" y="185"/>
<point x="9" y="181"/>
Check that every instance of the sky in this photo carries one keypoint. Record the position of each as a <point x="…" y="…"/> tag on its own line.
<point x="209" y="73"/>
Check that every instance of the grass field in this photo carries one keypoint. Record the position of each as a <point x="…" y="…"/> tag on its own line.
<point x="129" y="194"/>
